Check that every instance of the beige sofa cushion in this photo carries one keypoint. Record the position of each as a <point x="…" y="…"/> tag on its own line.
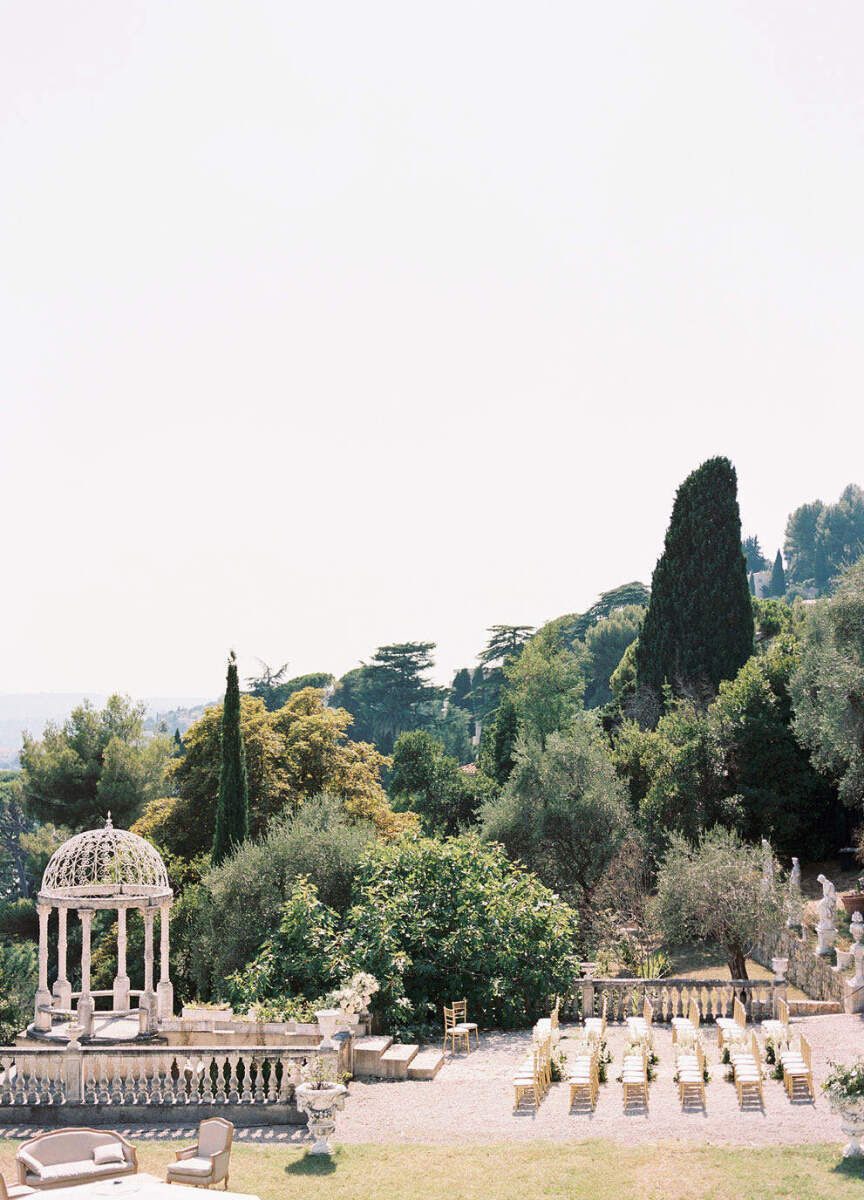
<point x="83" y="1169"/>
<point x="108" y="1154"/>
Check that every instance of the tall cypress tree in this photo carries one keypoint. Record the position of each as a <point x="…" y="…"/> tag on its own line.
<point x="699" y="626"/>
<point x="232" y="809"/>
<point x="505" y="732"/>
<point x="778" y="577"/>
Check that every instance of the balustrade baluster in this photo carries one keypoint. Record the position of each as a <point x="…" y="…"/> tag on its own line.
<point x="48" y="1078"/>
<point x="233" y="1083"/>
<point x="221" y="1063"/>
<point x="32" y="1080"/>
<point x="246" y="1094"/>
<point x="271" y="1080"/>
<point x="117" y="1080"/>
<point x="128" y="1087"/>
<point x="170" y="1089"/>
<point x="286" y="1086"/>
<point x="207" y="1096"/>
<point x="5" y="1080"/>
<point x="259" y="1080"/>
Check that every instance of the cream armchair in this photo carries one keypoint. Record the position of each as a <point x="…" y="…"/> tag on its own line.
<point x="14" y="1191"/>
<point x="209" y="1161"/>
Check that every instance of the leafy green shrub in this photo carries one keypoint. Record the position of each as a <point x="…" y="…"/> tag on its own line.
<point x="17" y="985"/>
<point x="18" y="920"/>
<point x="432" y="921"/>
<point x="321" y="844"/>
<point x="299" y="959"/>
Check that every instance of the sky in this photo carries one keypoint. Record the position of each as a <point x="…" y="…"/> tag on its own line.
<point x="328" y="325"/>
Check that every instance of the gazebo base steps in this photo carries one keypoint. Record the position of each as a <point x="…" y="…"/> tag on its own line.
<point x="426" y="1065"/>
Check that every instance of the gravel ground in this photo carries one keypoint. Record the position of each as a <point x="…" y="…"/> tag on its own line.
<point x="471" y="1100"/>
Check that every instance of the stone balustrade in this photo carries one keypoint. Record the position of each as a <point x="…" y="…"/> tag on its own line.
<point x="670" y="997"/>
<point x="155" y="1080"/>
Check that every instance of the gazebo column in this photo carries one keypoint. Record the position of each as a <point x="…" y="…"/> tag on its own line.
<point x="147" y="1003"/>
<point x="121" y="979"/>
<point x="62" y="986"/>
<point x="165" y="990"/>
<point x="42" y="1020"/>
<point x="85" y="1004"/>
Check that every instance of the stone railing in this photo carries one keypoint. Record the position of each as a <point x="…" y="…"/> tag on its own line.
<point x="152" y="1080"/>
<point x="671" y="997"/>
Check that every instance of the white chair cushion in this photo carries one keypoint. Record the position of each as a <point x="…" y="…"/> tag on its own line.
<point x="191" y="1166"/>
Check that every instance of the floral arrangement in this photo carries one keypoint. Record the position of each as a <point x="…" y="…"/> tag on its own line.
<point x="355" y="996"/>
<point x="844" y="1086"/>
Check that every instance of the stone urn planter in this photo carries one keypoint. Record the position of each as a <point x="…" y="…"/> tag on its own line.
<point x="853" y="902"/>
<point x="851" y="1114"/>
<point x="320" y="1104"/>
<point x="333" y="1020"/>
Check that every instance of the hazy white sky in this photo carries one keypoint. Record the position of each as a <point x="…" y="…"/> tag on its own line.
<point x="326" y="325"/>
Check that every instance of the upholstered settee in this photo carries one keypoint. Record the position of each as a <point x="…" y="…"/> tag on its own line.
<point x="64" y="1157"/>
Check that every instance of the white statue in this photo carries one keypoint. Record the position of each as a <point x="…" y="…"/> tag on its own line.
<point x="828" y="903"/>
<point x="795" y="877"/>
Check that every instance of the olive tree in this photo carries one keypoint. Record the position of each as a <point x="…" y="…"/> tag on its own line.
<point x="721" y="891"/>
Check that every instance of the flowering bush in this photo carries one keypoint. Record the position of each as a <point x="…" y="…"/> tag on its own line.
<point x="355" y="996"/>
<point x="845" y="1085"/>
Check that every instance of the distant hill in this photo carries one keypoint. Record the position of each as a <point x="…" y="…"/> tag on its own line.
<point x="31" y="711"/>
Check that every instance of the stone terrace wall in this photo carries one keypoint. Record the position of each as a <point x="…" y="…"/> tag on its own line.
<point x="812" y="975"/>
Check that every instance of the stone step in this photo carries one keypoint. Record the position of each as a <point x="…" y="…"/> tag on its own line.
<point x="367" y="1055"/>
<point x="395" y="1062"/>
<point x="426" y="1065"/>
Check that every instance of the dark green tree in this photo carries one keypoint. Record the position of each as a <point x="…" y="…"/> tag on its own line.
<point x="232" y="809"/>
<point x="505" y="731"/>
<point x="430" y="782"/>
<point x="756" y="560"/>
<point x="95" y="761"/>
<point x="460" y="688"/>
<point x="391" y="693"/>
<point x="799" y="546"/>
<point x="698" y="629"/>
<point x="275" y="690"/>
<point x="505" y="644"/>
<point x="777" y="586"/>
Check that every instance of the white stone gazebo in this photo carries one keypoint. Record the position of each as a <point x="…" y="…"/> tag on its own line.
<point x="104" y="869"/>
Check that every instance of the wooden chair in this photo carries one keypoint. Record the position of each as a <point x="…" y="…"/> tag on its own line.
<point x="455" y="1031"/>
<point x="595" y="1027"/>
<point x="634" y="1077"/>
<point x="738" y="1018"/>
<point x="690" y="1023"/>
<point x="638" y="1026"/>
<point x="550" y="1024"/>
<point x="584" y="1078"/>
<point x="778" y="1028"/>
<point x="747" y="1071"/>
<point x="798" y="1071"/>
<point x="14" y="1190"/>
<point x="691" y="1076"/>
<point x="460" y="1012"/>
<point x="209" y="1160"/>
<point x="527" y="1081"/>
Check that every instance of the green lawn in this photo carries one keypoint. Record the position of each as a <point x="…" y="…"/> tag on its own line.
<point x="518" y="1171"/>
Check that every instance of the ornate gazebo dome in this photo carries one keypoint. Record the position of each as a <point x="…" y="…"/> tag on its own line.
<point x="105" y="862"/>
